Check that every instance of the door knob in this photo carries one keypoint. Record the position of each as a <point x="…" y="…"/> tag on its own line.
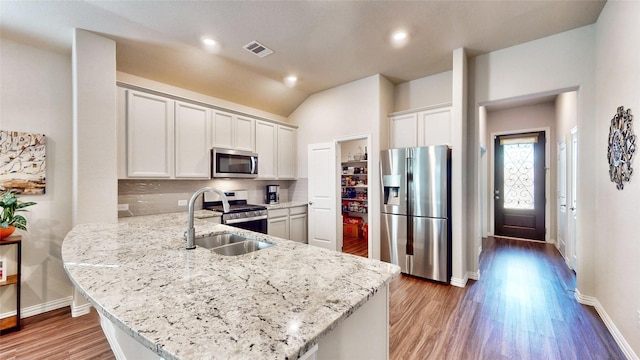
<point x="572" y="208"/>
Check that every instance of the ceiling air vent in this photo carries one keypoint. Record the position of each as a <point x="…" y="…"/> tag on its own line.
<point x="258" y="49"/>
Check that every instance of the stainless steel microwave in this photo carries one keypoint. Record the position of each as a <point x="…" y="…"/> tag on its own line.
<point x="226" y="163"/>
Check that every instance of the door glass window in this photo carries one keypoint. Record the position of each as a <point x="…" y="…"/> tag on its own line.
<point x="518" y="172"/>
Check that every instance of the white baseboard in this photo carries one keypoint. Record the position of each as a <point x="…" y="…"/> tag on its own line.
<point x="29" y="311"/>
<point x="460" y="282"/>
<point x="613" y="329"/>
<point x="80" y="310"/>
<point x="473" y="275"/>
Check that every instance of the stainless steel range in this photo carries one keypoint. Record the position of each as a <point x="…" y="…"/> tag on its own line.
<point x="241" y="215"/>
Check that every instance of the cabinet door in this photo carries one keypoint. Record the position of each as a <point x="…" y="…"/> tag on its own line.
<point x="434" y="127"/>
<point x="149" y="136"/>
<point x="192" y="141"/>
<point x="223" y="130"/>
<point x="403" y="131"/>
<point x="298" y="228"/>
<point x="278" y="227"/>
<point x="266" y="147"/>
<point x="287" y="153"/>
<point x="245" y="133"/>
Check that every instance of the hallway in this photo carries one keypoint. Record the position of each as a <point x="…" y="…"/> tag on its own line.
<point x="523" y="307"/>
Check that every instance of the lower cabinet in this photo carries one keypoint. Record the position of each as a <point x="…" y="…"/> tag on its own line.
<point x="278" y="223"/>
<point x="288" y="223"/>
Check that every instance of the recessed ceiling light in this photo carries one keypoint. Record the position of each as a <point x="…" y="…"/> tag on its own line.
<point x="400" y="38"/>
<point x="210" y="44"/>
<point x="208" y="41"/>
<point x="291" y="80"/>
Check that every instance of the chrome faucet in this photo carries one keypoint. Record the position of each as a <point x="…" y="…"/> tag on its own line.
<point x="190" y="234"/>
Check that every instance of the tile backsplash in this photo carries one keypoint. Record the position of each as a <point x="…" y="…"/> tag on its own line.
<point x="146" y="197"/>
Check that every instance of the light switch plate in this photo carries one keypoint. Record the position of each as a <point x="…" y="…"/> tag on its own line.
<point x="123" y="207"/>
<point x="182" y="202"/>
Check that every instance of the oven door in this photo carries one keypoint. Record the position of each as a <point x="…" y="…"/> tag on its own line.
<point x="257" y="224"/>
<point x="227" y="163"/>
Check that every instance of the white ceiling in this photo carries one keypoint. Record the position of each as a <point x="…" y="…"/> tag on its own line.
<point x="325" y="43"/>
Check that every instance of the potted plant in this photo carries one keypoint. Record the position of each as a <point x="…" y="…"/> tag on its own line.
<point x="9" y="221"/>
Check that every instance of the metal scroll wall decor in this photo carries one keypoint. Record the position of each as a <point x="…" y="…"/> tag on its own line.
<point x="622" y="147"/>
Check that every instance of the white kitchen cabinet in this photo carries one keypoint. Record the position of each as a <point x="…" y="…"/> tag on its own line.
<point x="222" y="130"/>
<point x="149" y="133"/>
<point x="276" y="148"/>
<point x="288" y="223"/>
<point x="192" y="124"/>
<point x="434" y="127"/>
<point x="298" y="224"/>
<point x="267" y="149"/>
<point x="287" y="153"/>
<point x="278" y="223"/>
<point x="233" y="131"/>
<point x="403" y="131"/>
<point x="420" y="128"/>
<point x="245" y="133"/>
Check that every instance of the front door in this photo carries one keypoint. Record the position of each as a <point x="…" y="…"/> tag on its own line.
<point x="519" y="192"/>
<point x="322" y="196"/>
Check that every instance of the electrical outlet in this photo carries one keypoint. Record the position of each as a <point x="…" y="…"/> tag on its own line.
<point x="182" y="202"/>
<point x="123" y="207"/>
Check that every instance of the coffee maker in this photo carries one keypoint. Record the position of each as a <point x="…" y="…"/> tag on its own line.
<point x="272" y="194"/>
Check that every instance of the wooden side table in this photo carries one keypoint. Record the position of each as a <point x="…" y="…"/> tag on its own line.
<point x="12" y="323"/>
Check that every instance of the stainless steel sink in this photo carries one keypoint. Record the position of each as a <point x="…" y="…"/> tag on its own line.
<point x="231" y="244"/>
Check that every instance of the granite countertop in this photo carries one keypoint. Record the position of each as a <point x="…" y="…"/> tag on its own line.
<point x="286" y="205"/>
<point x="275" y="303"/>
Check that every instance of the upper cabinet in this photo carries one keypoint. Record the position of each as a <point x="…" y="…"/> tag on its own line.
<point x="192" y="123"/>
<point x="245" y="133"/>
<point x="164" y="138"/>
<point x="160" y="137"/>
<point x="420" y="128"/>
<point x="149" y="133"/>
<point x="403" y="130"/>
<point x="276" y="148"/>
<point x="287" y="159"/>
<point x="267" y="149"/>
<point x="233" y="131"/>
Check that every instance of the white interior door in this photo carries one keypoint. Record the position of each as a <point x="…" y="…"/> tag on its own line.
<point x="573" y="184"/>
<point x="562" y="198"/>
<point x="323" y="199"/>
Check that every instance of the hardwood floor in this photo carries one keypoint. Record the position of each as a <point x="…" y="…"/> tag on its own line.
<point x="355" y="245"/>
<point x="56" y="335"/>
<point x="521" y="308"/>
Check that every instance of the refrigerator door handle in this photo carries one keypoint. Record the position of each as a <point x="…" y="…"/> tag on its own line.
<point x="409" y="264"/>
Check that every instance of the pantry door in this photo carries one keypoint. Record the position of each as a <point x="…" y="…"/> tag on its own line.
<point x="323" y="198"/>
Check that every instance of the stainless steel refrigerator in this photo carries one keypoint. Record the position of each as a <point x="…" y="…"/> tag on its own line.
<point x="416" y="210"/>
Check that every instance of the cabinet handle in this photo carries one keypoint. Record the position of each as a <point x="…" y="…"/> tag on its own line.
<point x="310" y="202"/>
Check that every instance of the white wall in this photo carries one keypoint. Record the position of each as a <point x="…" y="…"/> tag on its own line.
<point x="554" y="64"/>
<point x="349" y="110"/>
<point x="35" y="96"/>
<point x="427" y="91"/>
<point x="95" y="164"/>
<point x="617" y="241"/>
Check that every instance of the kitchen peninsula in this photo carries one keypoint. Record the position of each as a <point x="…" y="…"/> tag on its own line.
<point x="275" y="303"/>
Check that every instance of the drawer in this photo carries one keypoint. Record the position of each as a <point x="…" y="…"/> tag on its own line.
<point x="298" y="210"/>
<point x="278" y="213"/>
